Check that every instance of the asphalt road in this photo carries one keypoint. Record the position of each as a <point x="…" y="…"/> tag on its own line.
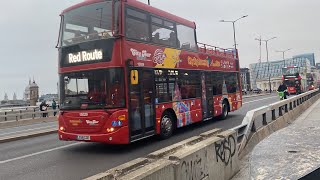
<point x="46" y="157"/>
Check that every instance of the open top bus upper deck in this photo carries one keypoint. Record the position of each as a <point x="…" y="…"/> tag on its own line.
<point x="98" y="28"/>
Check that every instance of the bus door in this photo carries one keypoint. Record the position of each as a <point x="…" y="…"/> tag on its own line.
<point x="207" y="95"/>
<point x="141" y="103"/>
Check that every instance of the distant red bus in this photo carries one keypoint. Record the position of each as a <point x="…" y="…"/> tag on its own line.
<point x="129" y="71"/>
<point x="293" y="80"/>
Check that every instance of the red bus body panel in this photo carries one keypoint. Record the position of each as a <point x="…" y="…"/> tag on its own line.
<point x="150" y="56"/>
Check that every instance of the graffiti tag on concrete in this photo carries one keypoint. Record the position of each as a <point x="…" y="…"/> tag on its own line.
<point x="194" y="169"/>
<point x="226" y="149"/>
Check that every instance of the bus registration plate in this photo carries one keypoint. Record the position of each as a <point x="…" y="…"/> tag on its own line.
<point x="83" y="138"/>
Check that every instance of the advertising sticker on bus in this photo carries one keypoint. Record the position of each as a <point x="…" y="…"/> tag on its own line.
<point x="134" y="77"/>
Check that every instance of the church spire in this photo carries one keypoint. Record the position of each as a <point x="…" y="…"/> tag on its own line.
<point x="6" y="97"/>
<point x="14" y="97"/>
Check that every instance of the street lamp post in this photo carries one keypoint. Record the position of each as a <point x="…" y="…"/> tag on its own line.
<point x="266" y="41"/>
<point x="234" y="29"/>
<point x="101" y="9"/>
<point x="284" y="60"/>
<point x="259" y="48"/>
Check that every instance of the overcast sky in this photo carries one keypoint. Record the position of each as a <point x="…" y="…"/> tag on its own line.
<point x="29" y="31"/>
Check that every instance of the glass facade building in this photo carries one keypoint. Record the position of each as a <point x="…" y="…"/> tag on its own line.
<point x="309" y="56"/>
<point x="262" y="71"/>
<point x="245" y="78"/>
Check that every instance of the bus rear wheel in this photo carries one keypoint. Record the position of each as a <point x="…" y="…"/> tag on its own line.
<point x="225" y="111"/>
<point x="166" y="125"/>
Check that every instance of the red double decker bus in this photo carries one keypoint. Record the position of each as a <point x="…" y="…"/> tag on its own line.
<point x="129" y="71"/>
<point x="294" y="80"/>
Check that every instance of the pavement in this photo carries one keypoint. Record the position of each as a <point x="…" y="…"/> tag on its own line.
<point x="290" y="153"/>
<point x="23" y="129"/>
<point x="45" y="157"/>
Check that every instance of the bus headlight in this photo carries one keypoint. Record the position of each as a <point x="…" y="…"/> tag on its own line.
<point x="110" y="130"/>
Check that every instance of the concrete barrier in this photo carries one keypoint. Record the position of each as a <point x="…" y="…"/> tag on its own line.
<point x="214" y="154"/>
<point x="275" y="125"/>
<point x="210" y="156"/>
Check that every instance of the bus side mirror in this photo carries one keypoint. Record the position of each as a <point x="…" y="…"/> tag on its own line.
<point x="134" y="77"/>
<point x="66" y="80"/>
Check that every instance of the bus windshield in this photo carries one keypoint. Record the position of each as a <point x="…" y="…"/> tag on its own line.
<point x="289" y="83"/>
<point x="91" y="22"/>
<point x="290" y="71"/>
<point x="98" y="89"/>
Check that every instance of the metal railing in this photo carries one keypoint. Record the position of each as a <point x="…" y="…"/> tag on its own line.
<point x="209" y="49"/>
<point x="11" y="109"/>
<point x="261" y="117"/>
<point x="29" y="112"/>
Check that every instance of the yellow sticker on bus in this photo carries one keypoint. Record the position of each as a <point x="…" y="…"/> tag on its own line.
<point x="134" y="77"/>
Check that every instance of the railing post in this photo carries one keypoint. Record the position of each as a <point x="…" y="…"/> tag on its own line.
<point x="290" y="106"/>
<point x="5" y="118"/>
<point x="34" y="113"/>
<point x="253" y="128"/>
<point x="280" y="111"/>
<point x="273" y="112"/>
<point x="294" y="104"/>
<point x="286" y="108"/>
<point x="264" y="119"/>
<point x="20" y="112"/>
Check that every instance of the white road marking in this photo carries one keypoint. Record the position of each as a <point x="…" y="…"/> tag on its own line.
<point x="37" y="153"/>
<point x="260" y="99"/>
<point x="28" y="130"/>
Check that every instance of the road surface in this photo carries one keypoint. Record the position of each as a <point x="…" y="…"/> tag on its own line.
<point x="45" y="157"/>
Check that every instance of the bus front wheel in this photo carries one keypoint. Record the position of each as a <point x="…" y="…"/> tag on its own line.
<point x="225" y="110"/>
<point x="166" y="125"/>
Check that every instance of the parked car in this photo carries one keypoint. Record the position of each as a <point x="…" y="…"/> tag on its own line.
<point x="258" y="91"/>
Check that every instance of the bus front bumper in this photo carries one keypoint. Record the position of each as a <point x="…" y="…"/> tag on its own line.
<point x="121" y="136"/>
